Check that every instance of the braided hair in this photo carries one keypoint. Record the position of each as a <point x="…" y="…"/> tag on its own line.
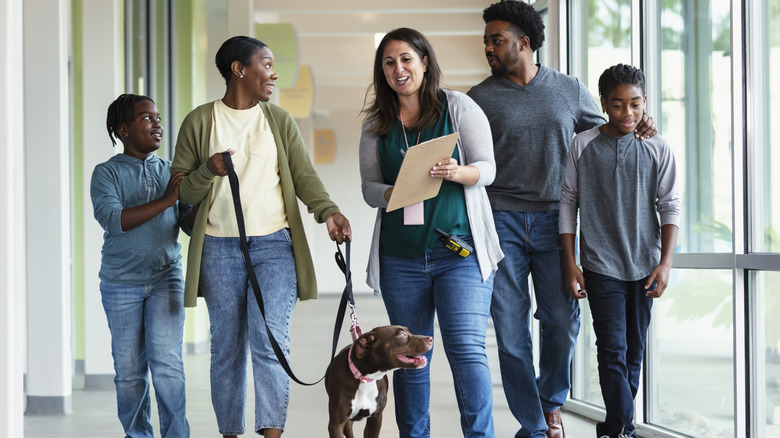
<point x="121" y="111"/>
<point x="525" y="20"/>
<point x="620" y="74"/>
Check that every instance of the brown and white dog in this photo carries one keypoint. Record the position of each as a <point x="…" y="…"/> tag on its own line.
<point x="356" y="379"/>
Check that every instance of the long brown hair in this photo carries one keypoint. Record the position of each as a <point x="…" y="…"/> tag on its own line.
<point x="384" y="108"/>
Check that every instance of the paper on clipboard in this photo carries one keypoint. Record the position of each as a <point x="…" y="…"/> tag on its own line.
<point x="414" y="182"/>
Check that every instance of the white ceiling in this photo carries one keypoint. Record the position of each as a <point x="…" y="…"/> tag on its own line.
<point x="336" y="39"/>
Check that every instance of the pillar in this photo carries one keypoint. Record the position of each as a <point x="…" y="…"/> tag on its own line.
<point x="48" y="243"/>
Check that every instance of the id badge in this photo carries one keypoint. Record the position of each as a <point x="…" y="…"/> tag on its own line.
<point x="414" y="214"/>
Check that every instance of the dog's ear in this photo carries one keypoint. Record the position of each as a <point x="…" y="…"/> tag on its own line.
<point x="363" y="344"/>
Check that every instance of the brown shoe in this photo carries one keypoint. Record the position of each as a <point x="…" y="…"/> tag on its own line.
<point x="554" y="424"/>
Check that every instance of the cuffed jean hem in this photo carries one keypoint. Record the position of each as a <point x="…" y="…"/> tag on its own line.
<point x="237" y="327"/>
<point x="270" y="426"/>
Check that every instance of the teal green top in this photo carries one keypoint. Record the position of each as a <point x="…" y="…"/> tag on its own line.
<point x="446" y="211"/>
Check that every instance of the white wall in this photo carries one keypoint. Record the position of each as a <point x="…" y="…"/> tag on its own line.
<point x="102" y="74"/>
<point x="46" y="26"/>
<point x="12" y="281"/>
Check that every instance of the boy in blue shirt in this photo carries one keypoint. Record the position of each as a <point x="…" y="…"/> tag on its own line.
<point x="626" y="191"/>
<point x="134" y="197"/>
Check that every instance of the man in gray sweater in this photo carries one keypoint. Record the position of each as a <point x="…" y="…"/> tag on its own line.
<point x="534" y="112"/>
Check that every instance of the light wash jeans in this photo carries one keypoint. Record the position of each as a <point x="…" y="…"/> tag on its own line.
<point x="147" y="325"/>
<point x="446" y="285"/>
<point x="530" y="241"/>
<point x="237" y="326"/>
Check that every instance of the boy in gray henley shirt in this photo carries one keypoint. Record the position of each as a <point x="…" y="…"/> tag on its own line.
<point x="622" y="186"/>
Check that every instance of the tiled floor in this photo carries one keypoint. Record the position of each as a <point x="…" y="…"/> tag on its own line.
<point x="94" y="412"/>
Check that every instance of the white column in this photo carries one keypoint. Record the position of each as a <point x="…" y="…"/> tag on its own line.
<point x="12" y="334"/>
<point x="46" y="101"/>
<point x="102" y="73"/>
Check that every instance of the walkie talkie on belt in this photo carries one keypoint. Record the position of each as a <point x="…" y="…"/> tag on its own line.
<point x="455" y="244"/>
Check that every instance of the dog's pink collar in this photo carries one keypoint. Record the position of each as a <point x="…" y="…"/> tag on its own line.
<point x="355" y="372"/>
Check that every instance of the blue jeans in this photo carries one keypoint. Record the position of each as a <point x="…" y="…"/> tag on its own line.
<point x="444" y="284"/>
<point x="237" y="325"/>
<point x="621" y="315"/>
<point x="147" y="325"/>
<point x="531" y="244"/>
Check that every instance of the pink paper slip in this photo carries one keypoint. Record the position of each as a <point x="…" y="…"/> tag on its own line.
<point x="414" y="214"/>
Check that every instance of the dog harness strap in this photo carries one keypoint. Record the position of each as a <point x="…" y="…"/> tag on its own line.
<point x="355" y="372"/>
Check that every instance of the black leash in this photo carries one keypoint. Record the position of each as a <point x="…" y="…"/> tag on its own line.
<point x="346" y="298"/>
<point x="343" y="264"/>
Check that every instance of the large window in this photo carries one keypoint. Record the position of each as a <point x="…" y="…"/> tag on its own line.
<point x="766" y="188"/>
<point x="606" y="39"/>
<point x="695" y="86"/>
<point x="684" y="48"/>
<point x="767" y="350"/>
<point x="147" y="64"/>
<point x="690" y="355"/>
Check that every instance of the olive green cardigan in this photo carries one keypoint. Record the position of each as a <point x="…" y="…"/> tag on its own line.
<point x="297" y="177"/>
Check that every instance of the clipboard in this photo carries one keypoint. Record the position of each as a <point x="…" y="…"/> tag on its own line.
<point x="414" y="182"/>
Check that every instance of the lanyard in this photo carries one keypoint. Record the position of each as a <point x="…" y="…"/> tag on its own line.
<point x="404" y="131"/>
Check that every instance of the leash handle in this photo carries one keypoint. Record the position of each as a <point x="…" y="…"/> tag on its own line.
<point x="233" y="179"/>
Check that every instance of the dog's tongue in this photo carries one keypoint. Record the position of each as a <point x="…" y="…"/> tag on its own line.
<point x="417" y="361"/>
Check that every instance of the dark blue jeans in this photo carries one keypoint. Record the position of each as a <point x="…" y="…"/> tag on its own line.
<point x="443" y="284"/>
<point x="621" y="315"/>
<point x="531" y="245"/>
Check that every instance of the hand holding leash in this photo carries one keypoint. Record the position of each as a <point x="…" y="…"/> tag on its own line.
<point x="338" y="228"/>
<point x="340" y="223"/>
<point x="217" y="163"/>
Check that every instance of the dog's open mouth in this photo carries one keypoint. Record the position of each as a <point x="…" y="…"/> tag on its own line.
<point x="416" y="361"/>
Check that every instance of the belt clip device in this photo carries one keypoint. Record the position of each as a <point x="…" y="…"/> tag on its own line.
<point x="455" y="244"/>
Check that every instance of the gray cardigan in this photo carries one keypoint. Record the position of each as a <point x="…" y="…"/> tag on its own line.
<point x="475" y="147"/>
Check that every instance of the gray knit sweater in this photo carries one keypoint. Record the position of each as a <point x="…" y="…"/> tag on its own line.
<point x="532" y="128"/>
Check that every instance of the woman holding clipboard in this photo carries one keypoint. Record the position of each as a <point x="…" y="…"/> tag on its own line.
<point x="418" y="274"/>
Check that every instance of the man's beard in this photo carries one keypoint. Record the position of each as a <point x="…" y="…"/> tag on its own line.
<point x="499" y="70"/>
<point x="510" y="58"/>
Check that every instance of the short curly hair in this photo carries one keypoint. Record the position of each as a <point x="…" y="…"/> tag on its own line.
<point x="620" y="74"/>
<point x="523" y="18"/>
